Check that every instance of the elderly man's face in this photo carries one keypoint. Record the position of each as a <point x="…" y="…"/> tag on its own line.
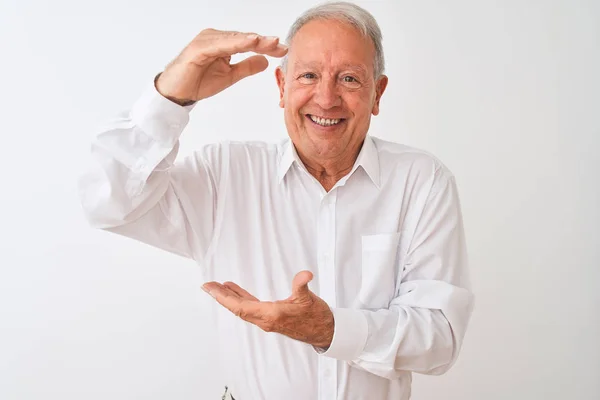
<point x="328" y="91"/>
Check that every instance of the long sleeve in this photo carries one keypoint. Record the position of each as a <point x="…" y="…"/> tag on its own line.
<point x="423" y="328"/>
<point x="133" y="186"/>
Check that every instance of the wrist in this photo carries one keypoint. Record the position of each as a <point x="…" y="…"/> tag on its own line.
<point x="326" y="337"/>
<point x="174" y="99"/>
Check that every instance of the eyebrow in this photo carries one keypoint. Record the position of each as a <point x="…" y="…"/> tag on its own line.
<point x="315" y="65"/>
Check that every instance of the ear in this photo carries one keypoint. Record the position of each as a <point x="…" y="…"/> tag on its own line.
<point x="280" y="76"/>
<point x="379" y="89"/>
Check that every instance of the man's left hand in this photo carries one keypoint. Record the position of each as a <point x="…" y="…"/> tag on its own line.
<point x="303" y="316"/>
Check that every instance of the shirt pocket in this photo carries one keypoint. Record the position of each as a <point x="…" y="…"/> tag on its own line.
<point x="379" y="269"/>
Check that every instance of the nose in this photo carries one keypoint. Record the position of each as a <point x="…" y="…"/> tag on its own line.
<point x="327" y="94"/>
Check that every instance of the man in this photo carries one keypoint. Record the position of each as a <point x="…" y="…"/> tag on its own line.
<point x="374" y="226"/>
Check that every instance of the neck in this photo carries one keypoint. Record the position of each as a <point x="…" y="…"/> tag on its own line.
<point x="329" y="171"/>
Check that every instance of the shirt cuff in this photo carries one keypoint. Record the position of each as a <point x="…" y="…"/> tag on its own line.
<point x="159" y="117"/>
<point x="349" y="334"/>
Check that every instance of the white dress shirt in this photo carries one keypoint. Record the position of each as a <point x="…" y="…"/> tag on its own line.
<point x="385" y="244"/>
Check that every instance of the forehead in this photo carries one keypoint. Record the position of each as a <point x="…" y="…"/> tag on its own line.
<point x="331" y="43"/>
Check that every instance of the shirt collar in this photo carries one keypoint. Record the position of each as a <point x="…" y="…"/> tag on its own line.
<point x="288" y="157"/>
<point x="368" y="159"/>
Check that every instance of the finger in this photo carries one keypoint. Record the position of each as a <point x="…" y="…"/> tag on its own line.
<point x="245" y="308"/>
<point x="239" y="291"/>
<point x="241" y="43"/>
<point x="271" y="46"/>
<point x="249" y="66"/>
<point x="215" y="288"/>
<point x="300" y="283"/>
<point x="222" y="293"/>
<point x="268" y="45"/>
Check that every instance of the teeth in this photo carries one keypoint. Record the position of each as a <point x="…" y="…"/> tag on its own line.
<point x="324" y="121"/>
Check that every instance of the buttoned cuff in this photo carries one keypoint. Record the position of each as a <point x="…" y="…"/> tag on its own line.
<point x="349" y="335"/>
<point x="159" y="117"/>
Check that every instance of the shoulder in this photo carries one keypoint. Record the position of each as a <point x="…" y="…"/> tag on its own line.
<point x="396" y="158"/>
<point x="239" y="150"/>
<point x="240" y="158"/>
<point x="254" y="148"/>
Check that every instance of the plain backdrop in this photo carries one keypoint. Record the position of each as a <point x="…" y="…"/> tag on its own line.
<point x="505" y="93"/>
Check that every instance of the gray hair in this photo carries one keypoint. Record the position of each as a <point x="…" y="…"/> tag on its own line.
<point x="349" y="13"/>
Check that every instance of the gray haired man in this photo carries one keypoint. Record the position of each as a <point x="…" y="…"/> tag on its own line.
<point x="375" y="227"/>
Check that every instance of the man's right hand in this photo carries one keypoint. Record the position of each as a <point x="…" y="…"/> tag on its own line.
<point x="202" y="69"/>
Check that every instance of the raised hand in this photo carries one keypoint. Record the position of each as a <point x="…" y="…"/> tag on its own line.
<point x="203" y="68"/>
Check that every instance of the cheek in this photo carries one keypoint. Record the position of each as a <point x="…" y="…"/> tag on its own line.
<point x="298" y="98"/>
<point x="359" y="107"/>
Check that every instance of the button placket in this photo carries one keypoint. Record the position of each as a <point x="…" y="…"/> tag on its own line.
<point x="326" y="260"/>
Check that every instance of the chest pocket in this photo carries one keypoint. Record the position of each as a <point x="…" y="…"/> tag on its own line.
<point x="379" y="269"/>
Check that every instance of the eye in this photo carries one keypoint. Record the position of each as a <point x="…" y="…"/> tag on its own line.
<point x="350" y="79"/>
<point x="308" y="75"/>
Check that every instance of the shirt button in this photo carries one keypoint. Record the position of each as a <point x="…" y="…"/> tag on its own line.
<point x="141" y="163"/>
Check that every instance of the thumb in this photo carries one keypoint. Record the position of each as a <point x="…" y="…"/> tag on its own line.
<point x="249" y="66"/>
<point x="300" y="283"/>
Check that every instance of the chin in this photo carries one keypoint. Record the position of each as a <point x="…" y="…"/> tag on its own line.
<point x="325" y="146"/>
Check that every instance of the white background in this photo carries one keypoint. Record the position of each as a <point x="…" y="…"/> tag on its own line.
<point x="506" y="93"/>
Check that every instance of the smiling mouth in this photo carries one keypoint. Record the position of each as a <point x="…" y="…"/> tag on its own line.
<point x="325" y="122"/>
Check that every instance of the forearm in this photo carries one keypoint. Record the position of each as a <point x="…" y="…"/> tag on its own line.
<point x="128" y="161"/>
